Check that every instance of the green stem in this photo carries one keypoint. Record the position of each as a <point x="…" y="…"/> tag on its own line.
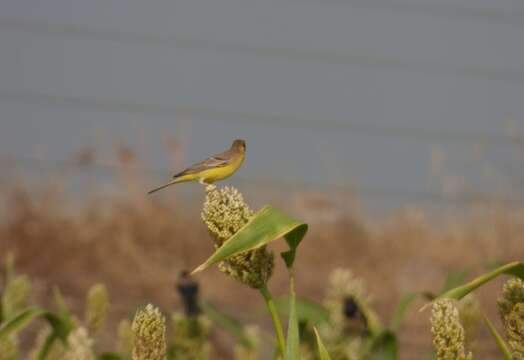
<point x="274" y="316"/>
<point x="293" y="341"/>
<point x="498" y="339"/>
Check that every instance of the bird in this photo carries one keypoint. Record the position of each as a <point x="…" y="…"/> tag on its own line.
<point x="214" y="168"/>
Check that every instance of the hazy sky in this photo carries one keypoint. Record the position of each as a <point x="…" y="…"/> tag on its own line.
<point x="346" y="92"/>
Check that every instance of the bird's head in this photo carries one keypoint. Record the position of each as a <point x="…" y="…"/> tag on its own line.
<point x="239" y="145"/>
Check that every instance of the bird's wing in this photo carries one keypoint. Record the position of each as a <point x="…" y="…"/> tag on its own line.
<point x="214" y="161"/>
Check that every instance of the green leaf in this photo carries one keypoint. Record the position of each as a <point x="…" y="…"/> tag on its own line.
<point x="293" y="337"/>
<point x="384" y="346"/>
<point x="19" y="321"/>
<point x="492" y="264"/>
<point x="61" y="327"/>
<point x="265" y="226"/>
<point x="227" y="322"/>
<point x="400" y="311"/>
<point x="454" y="279"/>
<point x="46" y="347"/>
<point x="293" y="239"/>
<point x="515" y="268"/>
<point x="503" y="347"/>
<point x="307" y="310"/>
<point x="63" y="310"/>
<point x="322" y="352"/>
<point x="60" y="331"/>
<point x="277" y="325"/>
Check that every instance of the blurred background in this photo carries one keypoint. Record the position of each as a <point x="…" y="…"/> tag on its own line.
<point x="395" y="127"/>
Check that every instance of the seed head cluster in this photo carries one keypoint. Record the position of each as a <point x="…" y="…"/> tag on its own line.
<point x="347" y="300"/>
<point x="470" y="317"/>
<point x="514" y="323"/>
<point x="125" y="337"/>
<point x="224" y="214"/>
<point x="250" y="350"/>
<point x="80" y="345"/>
<point x="15" y="295"/>
<point x="511" y="309"/>
<point x="149" y="333"/>
<point x="56" y="351"/>
<point x="191" y="336"/>
<point x="96" y="308"/>
<point x="448" y="333"/>
<point x="350" y="315"/>
<point x="512" y="294"/>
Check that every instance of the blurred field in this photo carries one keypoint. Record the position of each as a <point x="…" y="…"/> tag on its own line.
<point x="136" y="245"/>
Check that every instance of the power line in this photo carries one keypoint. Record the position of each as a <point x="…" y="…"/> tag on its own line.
<point x="435" y="9"/>
<point x="420" y="134"/>
<point x="324" y="56"/>
<point x="431" y="197"/>
<point x="411" y="133"/>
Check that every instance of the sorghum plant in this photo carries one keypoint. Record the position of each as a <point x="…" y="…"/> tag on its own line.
<point x="224" y="213"/>
<point x="511" y="309"/>
<point x="448" y="333"/>
<point x="97" y="304"/>
<point x="149" y="334"/>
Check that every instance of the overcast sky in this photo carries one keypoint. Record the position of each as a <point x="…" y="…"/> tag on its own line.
<point x="347" y="92"/>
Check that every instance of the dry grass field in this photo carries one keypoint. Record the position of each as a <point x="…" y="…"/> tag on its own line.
<point x="136" y="245"/>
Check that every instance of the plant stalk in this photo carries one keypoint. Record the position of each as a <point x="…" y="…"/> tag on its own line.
<point x="270" y="303"/>
<point x="293" y="341"/>
<point x="503" y="347"/>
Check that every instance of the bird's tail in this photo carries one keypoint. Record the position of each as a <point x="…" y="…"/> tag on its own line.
<point x="172" y="182"/>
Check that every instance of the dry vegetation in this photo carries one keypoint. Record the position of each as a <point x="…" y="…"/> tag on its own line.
<point x="136" y="246"/>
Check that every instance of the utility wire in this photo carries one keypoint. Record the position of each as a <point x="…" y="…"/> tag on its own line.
<point x="434" y="9"/>
<point x="109" y="170"/>
<point x="420" y="134"/>
<point x="275" y="120"/>
<point x="318" y="56"/>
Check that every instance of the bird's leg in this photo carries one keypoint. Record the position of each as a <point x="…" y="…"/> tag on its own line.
<point x="208" y="186"/>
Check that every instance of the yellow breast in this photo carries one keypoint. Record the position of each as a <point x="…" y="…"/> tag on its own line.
<point x="215" y="174"/>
